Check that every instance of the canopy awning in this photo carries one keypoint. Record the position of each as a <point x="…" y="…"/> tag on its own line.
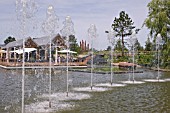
<point x="26" y="50"/>
<point x="2" y="51"/>
<point x="66" y="51"/>
<point x="81" y="56"/>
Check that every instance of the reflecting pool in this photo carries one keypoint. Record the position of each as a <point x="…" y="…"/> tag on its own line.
<point x="148" y="97"/>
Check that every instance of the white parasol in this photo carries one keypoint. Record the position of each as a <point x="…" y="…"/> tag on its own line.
<point x="66" y="51"/>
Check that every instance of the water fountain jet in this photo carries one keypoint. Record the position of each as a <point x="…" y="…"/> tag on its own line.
<point x="159" y="41"/>
<point x="132" y="40"/>
<point x="49" y="26"/>
<point x="67" y="30"/>
<point x="25" y="9"/>
<point x="92" y="35"/>
<point x="112" y="40"/>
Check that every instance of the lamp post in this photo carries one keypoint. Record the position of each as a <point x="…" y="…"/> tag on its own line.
<point x="112" y="40"/>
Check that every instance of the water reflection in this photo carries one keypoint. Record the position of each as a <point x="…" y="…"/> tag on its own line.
<point x="138" y="98"/>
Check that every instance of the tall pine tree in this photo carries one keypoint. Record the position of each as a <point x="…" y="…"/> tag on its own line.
<point x="123" y="26"/>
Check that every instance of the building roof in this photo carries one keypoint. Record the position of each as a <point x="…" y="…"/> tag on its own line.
<point x="44" y="40"/>
<point x="2" y="45"/>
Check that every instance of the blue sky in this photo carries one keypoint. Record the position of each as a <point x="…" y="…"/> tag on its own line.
<point x="83" y="13"/>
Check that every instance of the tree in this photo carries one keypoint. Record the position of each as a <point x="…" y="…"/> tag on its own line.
<point x="158" y="21"/>
<point x="148" y="45"/>
<point x="138" y="46"/>
<point x="73" y="44"/>
<point x="118" y="46"/>
<point x="123" y="27"/>
<point x="108" y="48"/>
<point x="9" y="39"/>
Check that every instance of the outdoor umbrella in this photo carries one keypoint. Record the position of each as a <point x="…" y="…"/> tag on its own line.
<point x="67" y="51"/>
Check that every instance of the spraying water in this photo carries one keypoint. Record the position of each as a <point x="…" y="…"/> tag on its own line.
<point x="67" y="30"/>
<point x="25" y="9"/>
<point x="158" y="42"/>
<point x="111" y="38"/>
<point x="129" y="69"/>
<point x="49" y="26"/>
<point x="132" y="41"/>
<point x="92" y="34"/>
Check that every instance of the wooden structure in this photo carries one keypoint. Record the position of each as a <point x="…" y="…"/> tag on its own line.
<point x="10" y="48"/>
<point x="126" y="65"/>
<point x="44" y="43"/>
<point x="39" y="53"/>
<point x="1" y="51"/>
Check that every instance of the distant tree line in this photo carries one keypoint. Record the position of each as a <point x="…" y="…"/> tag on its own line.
<point x="9" y="39"/>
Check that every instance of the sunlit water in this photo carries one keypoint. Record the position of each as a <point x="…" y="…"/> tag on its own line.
<point x="148" y="97"/>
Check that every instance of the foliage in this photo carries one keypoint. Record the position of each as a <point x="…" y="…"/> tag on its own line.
<point x="137" y="46"/>
<point x="148" y="45"/>
<point x="73" y="44"/>
<point x="9" y="39"/>
<point x="158" y="21"/>
<point x="118" y="46"/>
<point x="123" y="26"/>
<point x="121" y="59"/>
<point x="166" y="55"/>
<point x="145" y="59"/>
<point x="108" y="48"/>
